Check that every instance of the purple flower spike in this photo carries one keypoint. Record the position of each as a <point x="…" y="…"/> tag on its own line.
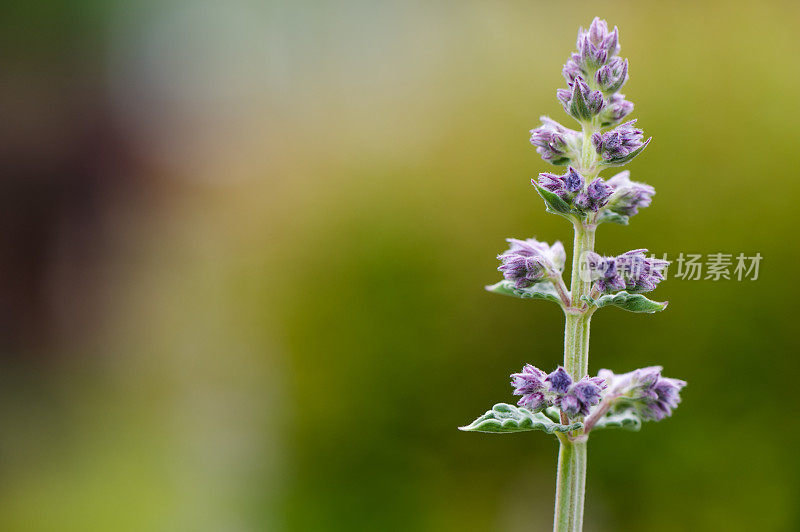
<point x="529" y="261"/>
<point x="530" y="385"/>
<point x="559" y="380"/>
<point x="554" y="142"/>
<point x="628" y="196"/>
<point x="619" y="145"/>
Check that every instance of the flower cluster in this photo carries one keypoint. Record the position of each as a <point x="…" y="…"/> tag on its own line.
<point x="628" y="196"/>
<point x="529" y="261"/>
<point x="555" y="143"/>
<point x="540" y="390"/>
<point x="651" y="395"/>
<point x="619" y="145"/>
<point x="631" y="271"/>
<point x="595" y="47"/>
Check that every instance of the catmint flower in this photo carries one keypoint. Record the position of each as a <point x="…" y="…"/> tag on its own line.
<point x="577" y="398"/>
<point x="604" y="272"/>
<point x="612" y="76"/>
<point x="596" y="45"/>
<point x="615" y="109"/>
<point x="529" y="261"/>
<point x="540" y="390"/>
<point x="559" y="380"/>
<point x="554" y="142"/>
<point x="595" y="197"/>
<point x="572" y="68"/>
<point x="628" y="196"/>
<point x="651" y="395"/>
<point x="641" y="274"/>
<point x="565" y="186"/>
<point x="530" y="385"/>
<point x="631" y="271"/>
<point x="619" y="145"/>
<point x="579" y="101"/>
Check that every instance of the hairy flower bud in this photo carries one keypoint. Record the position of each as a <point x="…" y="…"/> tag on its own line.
<point x="612" y="76"/>
<point x="529" y="261"/>
<point x="641" y="274"/>
<point x="628" y="196"/>
<point x="579" y="101"/>
<point x="597" y="45"/>
<point x="530" y="385"/>
<point x="556" y="389"/>
<point x="554" y="142"/>
<point x="559" y="380"/>
<point x="631" y="271"/>
<point x="651" y="395"/>
<point x="615" y="109"/>
<point x="619" y="145"/>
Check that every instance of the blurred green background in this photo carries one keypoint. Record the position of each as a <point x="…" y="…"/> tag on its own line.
<point x="244" y="246"/>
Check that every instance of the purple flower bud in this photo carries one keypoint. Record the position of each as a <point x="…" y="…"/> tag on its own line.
<point x="603" y="270"/>
<point x="631" y="271"/>
<point x="530" y="385"/>
<point x="615" y="109"/>
<point x="572" y="68"/>
<point x="619" y="145"/>
<point x="651" y="395"/>
<point x="612" y="76"/>
<point x="579" y="101"/>
<point x="641" y="274"/>
<point x="554" y="142"/>
<point x="573" y="181"/>
<point x="599" y="191"/>
<point x="592" y="199"/>
<point x="559" y="380"/>
<point x="557" y="389"/>
<point x="597" y="45"/>
<point x="628" y="196"/>
<point x="570" y="405"/>
<point x="565" y="186"/>
<point x="529" y="261"/>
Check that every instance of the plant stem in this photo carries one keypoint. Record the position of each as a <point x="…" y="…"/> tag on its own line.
<point x="571" y="478"/>
<point x="570" y="486"/>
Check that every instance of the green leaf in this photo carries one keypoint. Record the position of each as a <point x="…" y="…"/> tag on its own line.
<point x="504" y="418"/>
<point x="625" y="419"/>
<point x="629" y="302"/>
<point x="553" y="203"/>
<point x="542" y="290"/>
<point x="613" y="217"/>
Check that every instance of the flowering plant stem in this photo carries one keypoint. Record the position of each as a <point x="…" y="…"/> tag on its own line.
<point x="567" y="402"/>
<point x="571" y="477"/>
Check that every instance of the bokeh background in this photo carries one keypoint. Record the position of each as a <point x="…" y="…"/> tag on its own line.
<point x="243" y="248"/>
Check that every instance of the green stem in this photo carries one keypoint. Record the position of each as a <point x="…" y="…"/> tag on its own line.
<point x="570" y="486"/>
<point x="571" y="478"/>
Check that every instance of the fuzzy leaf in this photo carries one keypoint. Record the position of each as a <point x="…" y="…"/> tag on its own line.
<point x="625" y="419"/>
<point x="504" y="418"/>
<point x="553" y="202"/>
<point x="613" y="217"/>
<point x="629" y="302"/>
<point x="542" y="290"/>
